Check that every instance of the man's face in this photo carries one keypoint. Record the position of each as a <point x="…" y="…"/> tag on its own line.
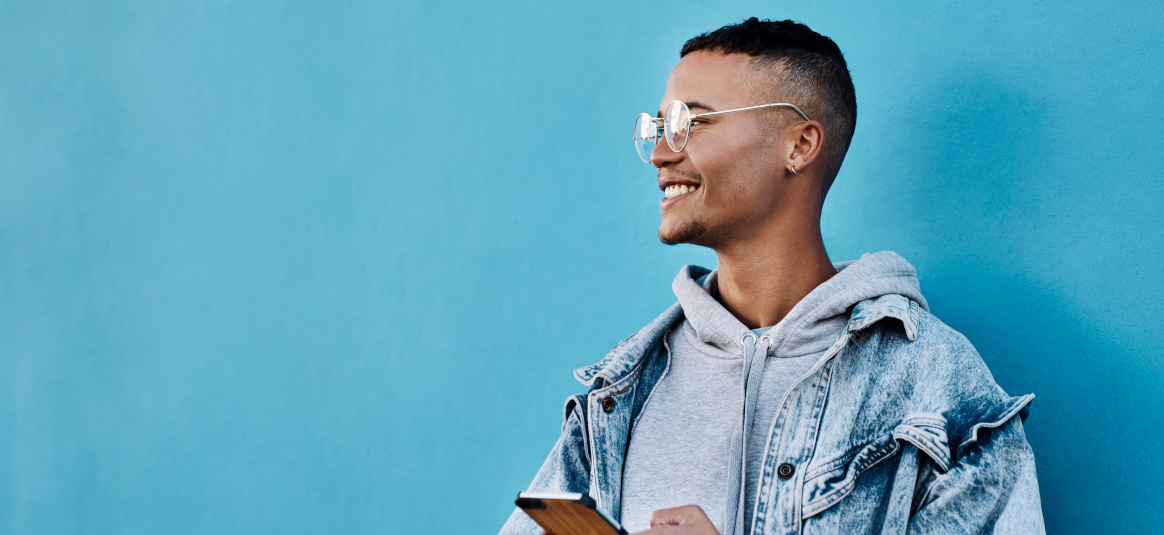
<point x="733" y="161"/>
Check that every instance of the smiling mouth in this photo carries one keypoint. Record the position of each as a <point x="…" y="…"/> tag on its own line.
<point x="676" y="190"/>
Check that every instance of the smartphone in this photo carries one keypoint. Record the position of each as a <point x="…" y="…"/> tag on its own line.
<point x="567" y="513"/>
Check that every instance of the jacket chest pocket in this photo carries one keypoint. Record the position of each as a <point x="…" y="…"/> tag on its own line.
<point x="830" y="481"/>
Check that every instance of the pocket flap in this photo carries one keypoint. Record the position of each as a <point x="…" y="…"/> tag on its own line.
<point x="830" y="482"/>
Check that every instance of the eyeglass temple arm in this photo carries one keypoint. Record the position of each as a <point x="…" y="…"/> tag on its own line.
<point x="755" y="107"/>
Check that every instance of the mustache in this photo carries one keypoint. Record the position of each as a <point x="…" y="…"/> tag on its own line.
<point x="681" y="174"/>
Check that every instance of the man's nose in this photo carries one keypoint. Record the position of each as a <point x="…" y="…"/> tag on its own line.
<point x="662" y="154"/>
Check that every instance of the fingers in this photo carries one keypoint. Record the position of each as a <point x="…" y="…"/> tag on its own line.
<point x="686" y="520"/>
<point x="687" y="515"/>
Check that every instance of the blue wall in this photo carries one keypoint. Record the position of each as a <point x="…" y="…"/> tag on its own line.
<point x="306" y="268"/>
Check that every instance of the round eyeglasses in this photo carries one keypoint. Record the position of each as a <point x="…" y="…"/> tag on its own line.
<point x="675" y="126"/>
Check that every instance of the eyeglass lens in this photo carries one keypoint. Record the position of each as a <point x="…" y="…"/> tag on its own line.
<point x="676" y="129"/>
<point x="677" y="125"/>
<point x="646" y="136"/>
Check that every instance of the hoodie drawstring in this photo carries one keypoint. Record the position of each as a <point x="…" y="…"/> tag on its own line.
<point x="754" y="363"/>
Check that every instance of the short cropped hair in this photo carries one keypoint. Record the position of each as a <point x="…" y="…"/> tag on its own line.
<point x="813" y="72"/>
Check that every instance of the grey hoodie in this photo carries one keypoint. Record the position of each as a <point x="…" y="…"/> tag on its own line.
<point x="723" y="383"/>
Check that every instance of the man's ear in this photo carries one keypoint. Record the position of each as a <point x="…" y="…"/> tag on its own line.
<point x="807" y="141"/>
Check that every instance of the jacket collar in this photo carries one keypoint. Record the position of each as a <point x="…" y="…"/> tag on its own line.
<point x="870" y="311"/>
<point x="628" y="353"/>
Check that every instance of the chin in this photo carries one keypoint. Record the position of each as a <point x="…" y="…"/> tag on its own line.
<point x="688" y="232"/>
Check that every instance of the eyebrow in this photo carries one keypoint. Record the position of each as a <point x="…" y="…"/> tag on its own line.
<point x="690" y="106"/>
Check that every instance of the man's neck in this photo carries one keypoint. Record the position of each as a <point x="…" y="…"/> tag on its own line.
<point x="760" y="281"/>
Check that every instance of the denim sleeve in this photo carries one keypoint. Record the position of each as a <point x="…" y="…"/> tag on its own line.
<point x="992" y="488"/>
<point x="566" y="469"/>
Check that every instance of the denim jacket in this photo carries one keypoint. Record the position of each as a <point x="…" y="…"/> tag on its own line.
<point x="898" y="428"/>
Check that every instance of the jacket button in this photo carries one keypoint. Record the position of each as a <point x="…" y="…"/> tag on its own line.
<point x="785" y="471"/>
<point x="607" y="404"/>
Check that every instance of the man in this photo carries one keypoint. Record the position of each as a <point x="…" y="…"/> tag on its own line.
<point x="784" y="393"/>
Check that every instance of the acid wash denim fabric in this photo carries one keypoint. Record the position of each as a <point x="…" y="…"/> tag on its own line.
<point x="899" y="428"/>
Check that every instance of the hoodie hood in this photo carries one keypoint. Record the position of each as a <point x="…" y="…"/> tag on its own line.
<point x="813" y="324"/>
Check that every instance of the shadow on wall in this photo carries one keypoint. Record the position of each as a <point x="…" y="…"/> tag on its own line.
<point x="979" y="178"/>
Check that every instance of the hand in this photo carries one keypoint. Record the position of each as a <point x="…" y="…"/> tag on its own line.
<point x="686" y="520"/>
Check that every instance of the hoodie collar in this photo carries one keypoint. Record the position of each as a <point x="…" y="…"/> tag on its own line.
<point x="717" y="329"/>
<point x="881" y="302"/>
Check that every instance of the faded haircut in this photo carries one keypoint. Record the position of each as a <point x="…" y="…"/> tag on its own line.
<point x="812" y="71"/>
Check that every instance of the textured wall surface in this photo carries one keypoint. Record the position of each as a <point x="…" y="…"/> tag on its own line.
<point x="296" y="267"/>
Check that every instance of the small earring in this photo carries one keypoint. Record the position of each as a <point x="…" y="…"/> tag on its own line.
<point x="793" y="169"/>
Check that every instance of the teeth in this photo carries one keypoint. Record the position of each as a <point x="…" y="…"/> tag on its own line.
<point x="676" y="190"/>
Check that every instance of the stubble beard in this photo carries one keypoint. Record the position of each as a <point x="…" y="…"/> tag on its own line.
<point x="687" y="233"/>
